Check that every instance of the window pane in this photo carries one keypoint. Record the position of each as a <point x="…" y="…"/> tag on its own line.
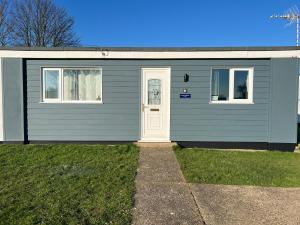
<point x="70" y="85"/>
<point x="220" y="85"/>
<point x="241" y="84"/>
<point x="154" y="91"/>
<point x="51" y="83"/>
<point x="82" y="85"/>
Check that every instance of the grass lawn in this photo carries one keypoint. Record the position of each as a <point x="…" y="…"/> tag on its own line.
<point x="240" y="168"/>
<point x="67" y="184"/>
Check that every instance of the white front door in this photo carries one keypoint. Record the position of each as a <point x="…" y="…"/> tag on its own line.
<point x="155" y="104"/>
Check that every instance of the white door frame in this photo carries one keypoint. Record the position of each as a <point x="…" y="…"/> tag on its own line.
<point x="167" y="71"/>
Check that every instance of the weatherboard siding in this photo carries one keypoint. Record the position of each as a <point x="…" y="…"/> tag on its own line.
<point x="118" y="118"/>
<point x="12" y="97"/>
<point x="115" y="119"/>
<point x="284" y="95"/>
<point x="196" y="119"/>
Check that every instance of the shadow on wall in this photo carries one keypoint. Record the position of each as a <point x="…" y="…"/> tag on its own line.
<point x="298" y="133"/>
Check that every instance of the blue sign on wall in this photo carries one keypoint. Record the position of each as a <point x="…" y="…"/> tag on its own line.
<point x="185" y="95"/>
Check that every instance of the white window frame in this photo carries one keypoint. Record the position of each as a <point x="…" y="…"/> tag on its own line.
<point x="231" y="99"/>
<point x="60" y="98"/>
<point x="44" y="85"/>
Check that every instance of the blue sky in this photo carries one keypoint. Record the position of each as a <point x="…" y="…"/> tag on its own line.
<point x="174" y="23"/>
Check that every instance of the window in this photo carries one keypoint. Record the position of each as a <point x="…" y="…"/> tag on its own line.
<point x="233" y="85"/>
<point x="241" y="84"/>
<point x="82" y="85"/>
<point x="154" y="91"/>
<point x="72" y="85"/>
<point x="220" y="85"/>
<point x="51" y="84"/>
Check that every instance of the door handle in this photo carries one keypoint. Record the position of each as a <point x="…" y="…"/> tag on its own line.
<point x="143" y="107"/>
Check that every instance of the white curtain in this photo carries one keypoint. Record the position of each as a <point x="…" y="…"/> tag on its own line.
<point x="82" y="85"/>
<point x="89" y="82"/>
<point x="69" y="84"/>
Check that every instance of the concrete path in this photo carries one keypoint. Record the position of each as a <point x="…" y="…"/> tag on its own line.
<point x="163" y="197"/>
<point x="232" y="205"/>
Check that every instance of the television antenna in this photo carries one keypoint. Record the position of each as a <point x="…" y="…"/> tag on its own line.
<point x="292" y="15"/>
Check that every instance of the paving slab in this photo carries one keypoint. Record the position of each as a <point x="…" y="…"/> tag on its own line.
<point x="226" y="204"/>
<point x="158" y="165"/>
<point x="162" y="195"/>
<point x="165" y="204"/>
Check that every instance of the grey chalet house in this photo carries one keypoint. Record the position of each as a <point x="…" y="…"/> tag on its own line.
<point x="242" y="97"/>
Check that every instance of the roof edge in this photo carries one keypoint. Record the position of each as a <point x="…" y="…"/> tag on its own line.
<point x="154" y="49"/>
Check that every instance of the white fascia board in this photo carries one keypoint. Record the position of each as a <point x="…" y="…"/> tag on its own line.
<point x="149" y="55"/>
<point x="274" y="54"/>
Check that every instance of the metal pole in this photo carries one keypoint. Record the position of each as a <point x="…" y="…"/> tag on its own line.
<point x="297" y="41"/>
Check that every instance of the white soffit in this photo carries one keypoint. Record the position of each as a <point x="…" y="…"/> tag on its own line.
<point x="149" y="54"/>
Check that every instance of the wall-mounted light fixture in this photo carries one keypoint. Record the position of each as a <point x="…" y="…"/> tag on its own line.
<point x="186" y="77"/>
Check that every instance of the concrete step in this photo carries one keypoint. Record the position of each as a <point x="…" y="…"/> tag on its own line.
<point x="297" y="148"/>
<point x="156" y="144"/>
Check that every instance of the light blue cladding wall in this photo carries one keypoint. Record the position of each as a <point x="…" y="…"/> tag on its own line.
<point x="119" y="117"/>
<point x="13" y="110"/>
<point x="196" y="119"/>
<point x="284" y="95"/>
